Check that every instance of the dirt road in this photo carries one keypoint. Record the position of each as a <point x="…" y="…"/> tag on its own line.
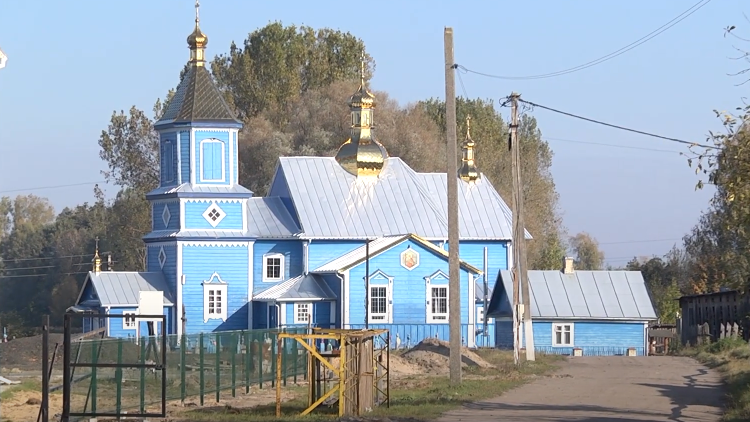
<point x="609" y="389"/>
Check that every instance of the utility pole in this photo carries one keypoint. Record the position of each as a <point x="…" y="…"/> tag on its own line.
<point x="454" y="284"/>
<point x="520" y="272"/>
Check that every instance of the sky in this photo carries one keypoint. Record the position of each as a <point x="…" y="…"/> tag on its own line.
<point x="71" y="64"/>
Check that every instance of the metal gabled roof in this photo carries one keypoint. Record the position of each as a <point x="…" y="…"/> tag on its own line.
<point x="581" y="295"/>
<point x="331" y="203"/>
<point x="121" y="288"/>
<point x="303" y="287"/>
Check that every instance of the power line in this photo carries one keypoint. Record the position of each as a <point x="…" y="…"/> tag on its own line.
<point x="39" y="275"/>
<point x="52" y="187"/>
<point x="48" y="257"/>
<point x="629" y="242"/>
<point x="610" y="145"/>
<point x="41" y="267"/>
<point x="679" y="18"/>
<point x="666" y="138"/>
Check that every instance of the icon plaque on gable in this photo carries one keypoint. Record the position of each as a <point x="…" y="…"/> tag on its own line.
<point x="409" y="258"/>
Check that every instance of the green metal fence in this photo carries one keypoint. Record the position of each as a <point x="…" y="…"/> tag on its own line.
<point x="201" y="366"/>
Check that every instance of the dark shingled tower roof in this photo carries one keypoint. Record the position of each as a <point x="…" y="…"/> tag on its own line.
<point x="197" y="99"/>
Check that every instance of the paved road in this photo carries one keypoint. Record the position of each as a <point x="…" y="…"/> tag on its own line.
<point x="609" y="389"/>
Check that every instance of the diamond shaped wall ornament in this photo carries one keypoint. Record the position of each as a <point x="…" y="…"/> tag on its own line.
<point x="162" y="257"/>
<point x="213" y="214"/>
<point x="166" y="216"/>
<point x="409" y="259"/>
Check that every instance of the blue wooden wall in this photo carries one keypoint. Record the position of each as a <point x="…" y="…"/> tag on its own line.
<point x="293" y="265"/>
<point x="170" y="265"/>
<point x="157" y="215"/>
<point x="320" y="252"/>
<point x="230" y="262"/>
<point x="217" y="157"/>
<point x="232" y="209"/>
<point x="409" y="288"/>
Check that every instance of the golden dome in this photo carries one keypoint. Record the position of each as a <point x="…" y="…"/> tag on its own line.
<point x="468" y="171"/>
<point x="197" y="39"/>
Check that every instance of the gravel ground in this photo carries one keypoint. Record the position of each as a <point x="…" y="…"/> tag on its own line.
<point x="609" y="389"/>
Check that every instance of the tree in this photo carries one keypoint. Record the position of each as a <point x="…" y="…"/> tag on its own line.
<point x="662" y="277"/>
<point x="279" y="63"/>
<point x="490" y="132"/>
<point x="588" y="256"/>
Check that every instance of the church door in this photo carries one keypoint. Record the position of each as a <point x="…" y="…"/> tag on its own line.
<point x="273" y="316"/>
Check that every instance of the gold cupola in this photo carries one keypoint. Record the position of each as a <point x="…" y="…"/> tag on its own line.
<point x="362" y="154"/>
<point x="97" y="259"/>
<point x="197" y="41"/>
<point x="468" y="171"/>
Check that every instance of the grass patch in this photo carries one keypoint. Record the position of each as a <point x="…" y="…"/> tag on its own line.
<point x="421" y="398"/>
<point x="731" y="357"/>
<point x="27" y="385"/>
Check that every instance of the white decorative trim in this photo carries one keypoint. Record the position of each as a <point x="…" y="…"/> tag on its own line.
<point x="129" y="323"/>
<point x="345" y="303"/>
<point x="218" y="287"/>
<point x="182" y="215"/>
<point x="160" y="244"/>
<point x="303" y="309"/>
<point x="250" y="283"/>
<point x="243" y="206"/>
<point x="215" y="244"/>
<point x="472" y="299"/>
<point x="282" y="259"/>
<point x="562" y="328"/>
<point x="281" y="318"/>
<point x="220" y="201"/>
<point x="232" y="155"/>
<point x="437" y="317"/>
<point x="166" y="216"/>
<point x="162" y="257"/>
<point x="179" y="303"/>
<point x="214" y="214"/>
<point x="387" y="317"/>
<point x="409" y="257"/>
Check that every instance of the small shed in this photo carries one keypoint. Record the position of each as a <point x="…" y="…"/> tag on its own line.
<point x="579" y="312"/>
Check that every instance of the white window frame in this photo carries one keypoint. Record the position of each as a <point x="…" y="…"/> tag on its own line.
<point x="127" y="322"/>
<point x="382" y="317"/>
<point x="436" y="318"/>
<point x="223" y="159"/>
<point x="281" y="258"/>
<point x="297" y="312"/>
<point x="480" y="315"/>
<point x="561" y="326"/>
<point x="215" y="285"/>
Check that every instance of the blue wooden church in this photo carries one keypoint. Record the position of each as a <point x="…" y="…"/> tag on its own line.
<point x="346" y="241"/>
<point x="228" y="260"/>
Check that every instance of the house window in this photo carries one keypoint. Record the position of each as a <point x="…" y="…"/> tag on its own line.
<point x="438" y="307"/>
<point x="167" y="162"/>
<point x="128" y="322"/>
<point x="302" y="313"/>
<point x="480" y="314"/>
<point x="214" y="299"/>
<point x="212" y="160"/>
<point x="562" y="335"/>
<point x="273" y="267"/>
<point x="378" y="311"/>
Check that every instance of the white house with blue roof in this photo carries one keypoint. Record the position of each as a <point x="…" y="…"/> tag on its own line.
<point x="595" y="312"/>
<point x="227" y="260"/>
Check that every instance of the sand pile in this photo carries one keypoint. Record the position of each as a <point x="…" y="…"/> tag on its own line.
<point x="433" y="355"/>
